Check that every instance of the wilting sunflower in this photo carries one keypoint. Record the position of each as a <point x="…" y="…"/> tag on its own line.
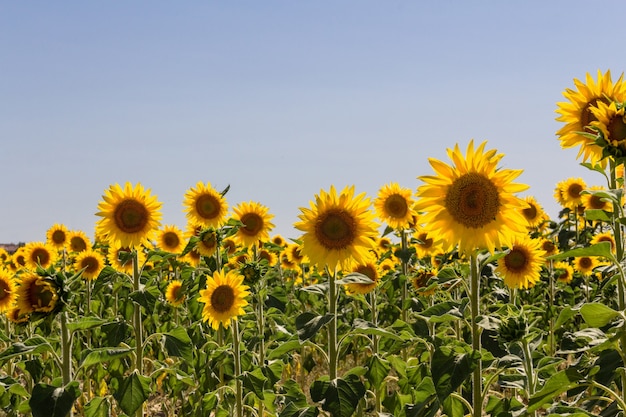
<point x="563" y="272"/>
<point x="534" y="213"/>
<point x="130" y="216"/>
<point x="91" y="262"/>
<point x="120" y="258"/>
<point x="337" y="228"/>
<point x="521" y="266"/>
<point x="170" y="239"/>
<point x="205" y="206"/>
<point x="7" y="290"/>
<point x="224" y="298"/>
<point x="604" y="237"/>
<point x="472" y="203"/>
<point x="586" y="264"/>
<point x="57" y="236"/>
<point x="568" y="192"/>
<point x="394" y="206"/>
<point x="77" y="241"/>
<point x="370" y="269"/>
<point x="35" y="294"/>
<point x="175" y="293"/>
<point x="577" y="112"/>
<point x="39" y="254"/>
<point x="256" y="223"/>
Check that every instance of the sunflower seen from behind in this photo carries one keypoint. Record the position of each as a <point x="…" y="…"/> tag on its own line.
<point x="393" y="206"/>
<point x="256" y="223"/>
<point x="338" y="228"/>
<point x="472" y="203"/>
<point x="204" y="206"/>
<point x="224" y="298"/>
<point x="129" y="216"/>
<point x="521" y="266"/>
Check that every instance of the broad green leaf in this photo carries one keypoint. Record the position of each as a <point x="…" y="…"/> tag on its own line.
<point x="377" y="370"/>
<point x="556" y="385"/>
<point x="178" y="343"/>
<point x="51" y="401"/>
<point x="116" y="332"/>
<point x="598" y="215"/>
<point x="597" y="314"/>
<point x="292" y="392"/>
<point x="85" y="323"/>
<point x="35" y="345"/>
<point x="564" y="316"/>
<point x="284" y="348"/>
<point x="340" y="396"/>
<point x="254" y="381"/>
<point x="133" y="392"/>
<point x="599" y="249"/>
<point x="98" y="407"/>
<point x="354" y="278"/>
<point x="451" y="367"/>
<point x="146" y="297"/>
<point x="95" y="356"/>
<point x="365" y="327"/>
<point x="308" y="324"/>
<point x="292" y="410"/>
<point x="453" y="407"/>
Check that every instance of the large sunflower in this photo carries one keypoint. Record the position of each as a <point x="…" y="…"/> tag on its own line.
<point x="224" y="298"/>
<point x="35" y="294"/>
<point x="91" y="262"/>
<point x="394" y="206"/>
<point x="57" y="236"/>
<point x="7" y="290"/>
<point x="472" y="203"/>
<point x="205" y="206"/>
<point x="577" y="113"/>
<point x="39" y="254"/>
<point x="130" y="216"/>
<point x="170" y="239"/>
<point x="521" y="266"/>
<point x="337" y="228"/>
<point x="256" y="223"/>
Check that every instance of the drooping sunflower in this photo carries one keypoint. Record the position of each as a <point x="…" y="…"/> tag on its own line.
<point x="205" y="206"/>
<point x="338" y="228"/>
<point x="130" y="216"/>
<point x="57" y="236"/>
<point x="77" y="241"/>
<point x="91" y="262"/>
<point x="472" y="203"/>
<point x="35" y="294"/>
<point x="175" y="293"/>
<point x="256" y="221"/>
<point x="568" y="192"/>
<point x="224" y="298"/>
<point x="534" y="213"/>
<point x="394" y="206"/>
<point x="7" y="290"/>
<point x="170" y="239"/>
<point x="39" y="254"/>
<point x="563" y="272"/>
<point x="521" y="266"/>
<point x="577" y="112"/>
<point x="370" y="269"/>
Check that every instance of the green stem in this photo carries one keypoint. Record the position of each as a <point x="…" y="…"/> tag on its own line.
<point x="137" y="325"/>
<point x="405" y="273"/>
<point x="332" y="327"/>
<point x="475" y="305"/>
<point x="238" y="382"/>
<point x="66" y="350"/>
<point x="261" y="322"/>
<point x="529" y="370"/>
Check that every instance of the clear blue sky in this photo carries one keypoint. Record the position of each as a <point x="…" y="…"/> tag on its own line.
<point x="280" y="99"/>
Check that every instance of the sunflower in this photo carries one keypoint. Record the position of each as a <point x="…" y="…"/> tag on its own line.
<point x="57" y="236"/>
<point x="17" y="316"/>
<point x="294" y="253"/>
<point x="256" y="223"/>
<point x="383" y="244"/>
<point x="586" y="264"/>
<point x="279" y="241"/>
<point x="5" y="256"/>
<point x="7" y="291"/>
<point x="521" y="266"/>
<point x="425" y="243"/>
<point x="603" y="237"/>
<point x="39" y="254"/>
<point x="419" y="281"/>
<point x="534" y="213"/>
<point x="230" y="246"/>
<point x="91" y="262"/>
<point x="611" y="124"/>
<point x="472" y="203"/>
<point x="269" y="256"/>
<point x="175" y="293"/>
<point x="337" y="228"/>
<point x="387" y="265"/>
<point x="577" y="112"/>
<point x="204" y="206"/>
<point x="18" y="259"/>
<point x="193" y="258"/>
<point x="170" y="239"/>
<point x="130" y="216"/>
<point x="593" y="200"/>
<point x="548" y="246"/>
<point x="77" y="241"/>
<point x="286" y="263"/>
<point x="394" y="206"/>
<point x="564" y="272"/>
<point x="568" y="192"/>
<point x="224" y="298"/>
<point x="120" y="258"/>
<point x="370" y="269"/>
<point x="35" y="294"/>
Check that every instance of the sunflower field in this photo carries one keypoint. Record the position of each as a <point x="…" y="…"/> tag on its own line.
<point x="455" y="298"/>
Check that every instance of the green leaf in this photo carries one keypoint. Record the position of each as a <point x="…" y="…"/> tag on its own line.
<point x="554" y="386"/>
<point x="178" y="343"/>
<point x="51" y="401"/>
<point x="292" y="410"/>
<point x="284" y="348"/>
<point x="146" y="297"/>
<point x="320" y="289"/>
<point x="598" y="315"/>
<point x="354" y="278"/>
<point x="599" y="249"/>
<point x="365" y="327"/>
<point x="453" y="407"/>
<point x="98" y="407"/>
<point x="340" y="396"/>
<point x="35" y="345"/>
<point x="95" y="356"/>
<point x="443" y="312"/>
<point x="598" y="215"/>
<point x="377" y="370"/>
<point x="133" y="392"/>
<point x="85" y="323"/>
<point x="564" y="316"/>
<point x="255" y="382"/>
<point x="116" y="332"/>
<point x="451" y="367"/>
<point x="308" y="324"/>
